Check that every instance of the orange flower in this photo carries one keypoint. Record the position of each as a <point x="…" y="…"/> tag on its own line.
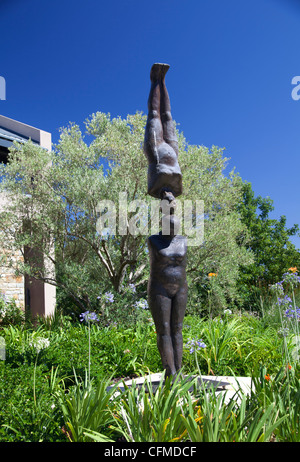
<point x="267" y="377"/>
<point x="289" y="366"/>
<point x="293" y="269"/>
<point x="210" y="275"/>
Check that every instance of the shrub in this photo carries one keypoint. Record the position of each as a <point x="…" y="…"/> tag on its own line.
<point x="10" y="313"/>
<point x="28" y="409"/>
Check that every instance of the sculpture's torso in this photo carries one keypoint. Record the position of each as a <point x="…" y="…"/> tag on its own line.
<point x="168" y="262"/>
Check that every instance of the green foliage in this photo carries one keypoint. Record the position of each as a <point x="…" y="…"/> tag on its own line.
<point x="282" y="390"/>
<point x="114" y="349"/>
<point x="236" y="421"/>
<point x="269" y="241"/>
<point x="236" y="345"/>
<point x="10" y="313"/>
<point x="223" y="250"/>
<point x="87" y="406"/>
<point x="222" y="337"/>
<point x="45" y="394"/>
<point x="153" y="415"/>
<point x="28" y="407"/>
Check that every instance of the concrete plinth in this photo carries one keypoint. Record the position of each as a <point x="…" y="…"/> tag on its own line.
<point x="229" y="386"/>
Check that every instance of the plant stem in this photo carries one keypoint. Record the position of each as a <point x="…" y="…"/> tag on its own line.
<point x="34" y="374"/>
<point x="89" y="365"/>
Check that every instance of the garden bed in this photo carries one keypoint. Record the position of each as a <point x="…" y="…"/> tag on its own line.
<point x="54" y="388"/>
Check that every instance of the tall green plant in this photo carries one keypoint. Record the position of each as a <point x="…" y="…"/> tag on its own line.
<point x="221" y="338"/>
<point x="238" y="420"/>
<point x="281" y="389"/>
<point x="149" y="415"/>
<point x="86" y="408"/>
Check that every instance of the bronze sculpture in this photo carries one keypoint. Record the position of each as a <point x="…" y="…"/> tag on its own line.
<point x="167" y="285"/>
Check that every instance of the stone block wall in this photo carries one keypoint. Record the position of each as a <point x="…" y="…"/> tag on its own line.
<point x="13" y="287"/>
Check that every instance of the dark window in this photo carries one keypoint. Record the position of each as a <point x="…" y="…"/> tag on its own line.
<point x="3" y="154"/>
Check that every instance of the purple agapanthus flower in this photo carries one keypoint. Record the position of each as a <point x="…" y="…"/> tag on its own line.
<point x="195" y="344"/>
<point x="292" y="313"/>
<point x="108" y="297"/>
<point x="132" y="288"/>
<point x="291" y="278"/>
<point x="285" y="301"/>
<point x="88" y="316"/>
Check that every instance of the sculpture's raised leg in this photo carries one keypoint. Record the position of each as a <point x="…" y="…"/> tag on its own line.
<point x="160" y="144"/>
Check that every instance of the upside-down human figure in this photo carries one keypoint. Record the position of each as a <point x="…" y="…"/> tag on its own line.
<point x="167" y="285"/>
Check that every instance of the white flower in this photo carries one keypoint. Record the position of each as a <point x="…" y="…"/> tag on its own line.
<point x="39" y="343"/>
<point x="143" y="304"/>
<point x="227" y="311"/>
<point x="2" y="312"/>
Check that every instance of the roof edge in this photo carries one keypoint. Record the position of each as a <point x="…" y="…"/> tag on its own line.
<point x="35" y="134"/>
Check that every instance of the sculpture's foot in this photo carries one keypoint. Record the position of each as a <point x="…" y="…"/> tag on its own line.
<point x="171" y="378"/>
<point x="158" y="72"/>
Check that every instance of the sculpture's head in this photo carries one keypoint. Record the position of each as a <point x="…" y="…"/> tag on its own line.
<point x="168" y="202"/>
<point x="167" y="194"/>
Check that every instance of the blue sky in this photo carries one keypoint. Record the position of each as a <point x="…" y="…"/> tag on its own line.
<point x="232" y="64"/>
